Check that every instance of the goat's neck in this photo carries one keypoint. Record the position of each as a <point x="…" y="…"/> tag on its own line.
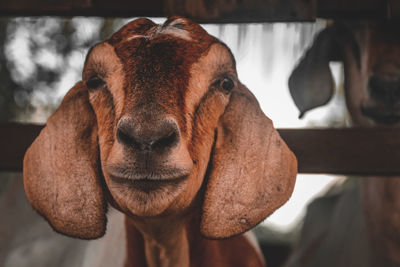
<point x="381" y="202"/>
<point x="165" y="241"/>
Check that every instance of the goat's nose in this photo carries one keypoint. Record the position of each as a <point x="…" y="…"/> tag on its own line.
<point x="148" y="136"/>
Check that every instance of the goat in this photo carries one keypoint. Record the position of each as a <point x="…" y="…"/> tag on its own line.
<point x="161" y="129"/>
<point x="370" y="52"/>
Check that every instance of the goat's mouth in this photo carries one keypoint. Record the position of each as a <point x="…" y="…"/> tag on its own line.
<point x="147" y="181"/>
<point x="146" y="184"/>
<point x="387" y="117"/>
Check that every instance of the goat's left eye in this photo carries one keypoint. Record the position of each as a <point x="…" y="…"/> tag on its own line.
<point x="95" y="82"/>
<point x="227" y="84"/>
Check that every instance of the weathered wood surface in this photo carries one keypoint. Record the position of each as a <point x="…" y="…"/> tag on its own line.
<point x="336" y="151"/>
<point x="115" y="8"/>
<point x="219" y="11"/>
<point x="14" y="140"/>
<point x="346" y="151"/>
<point x="393" y="9"/>
<point x="373" y="9"/>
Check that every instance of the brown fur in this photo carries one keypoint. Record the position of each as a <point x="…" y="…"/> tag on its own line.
<point x="216" y="168"/>
<point x="370" y="52"/>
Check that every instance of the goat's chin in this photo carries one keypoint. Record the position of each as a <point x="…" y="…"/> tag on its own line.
<point x="146" y="198"/>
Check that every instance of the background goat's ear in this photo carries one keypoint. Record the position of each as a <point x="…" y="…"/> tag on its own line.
<point x="252" y="172"/>
<point x="311" y="83"/>
<point x="61" y="172"/>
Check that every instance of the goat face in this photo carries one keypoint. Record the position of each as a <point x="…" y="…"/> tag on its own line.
<point x="159" y="123"/>
<point x="371" y="56"/>
<point x="146" y="152"/>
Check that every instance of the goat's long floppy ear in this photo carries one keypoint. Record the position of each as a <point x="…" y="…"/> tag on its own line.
<point x="61" y="171"/>
<point x="252" y="172"/>
<point x="311" y="83"/>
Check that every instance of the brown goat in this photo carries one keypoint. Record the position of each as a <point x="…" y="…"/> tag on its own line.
<point x="161" y="129"/>
<point x="370" y="52"/>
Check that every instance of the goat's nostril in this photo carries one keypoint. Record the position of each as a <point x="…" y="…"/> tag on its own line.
<point x="166" y="141"/>
<point x="124" y="136"/>
<point x="148" y="137"/>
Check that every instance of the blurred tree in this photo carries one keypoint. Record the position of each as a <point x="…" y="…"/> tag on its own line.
<point x="7" y="86"/>
<point x="41" y="58"/>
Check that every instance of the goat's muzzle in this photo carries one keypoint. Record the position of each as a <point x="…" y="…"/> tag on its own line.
<point x="150" y="153"/>
<point x="384" y="104"/>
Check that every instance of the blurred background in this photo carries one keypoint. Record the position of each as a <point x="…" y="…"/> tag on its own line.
<point x="42" y="57"/>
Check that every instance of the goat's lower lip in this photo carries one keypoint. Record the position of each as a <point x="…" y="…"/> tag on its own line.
<point x="148" y="184"/>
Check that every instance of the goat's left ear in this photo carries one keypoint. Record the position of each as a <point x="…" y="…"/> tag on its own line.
<point x="61" y="169"/>
<point x="252" y="173"/>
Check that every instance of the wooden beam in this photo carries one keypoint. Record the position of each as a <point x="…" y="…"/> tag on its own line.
<point x="353" y="9"/>
<point x="358" y="151"/>
<point x="115" y="8"/>
<point x="14" y="140"/>
<point x="240" y="11"/>
<point x="364" y="151"/>
<point x="393" y="9"/>
<point x="209" y="11"/>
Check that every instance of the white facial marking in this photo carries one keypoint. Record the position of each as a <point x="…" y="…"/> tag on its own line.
<point x="202" y="73"/>
<point x="170" y="29"/>
<point x="177" y="21"/>
<point x="103" y="55"/>
<point x="180" y="33"/>
<point x="134" y="37"/>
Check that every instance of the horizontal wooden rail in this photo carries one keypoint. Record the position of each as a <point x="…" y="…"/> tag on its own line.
<point x="261" y="11"/>
<point x="14" y="140"/>
<point x="240" y="11"/>
<point x="363" y="151"/>
<point x="358" y="9"/>
<point x="355" y="151"/>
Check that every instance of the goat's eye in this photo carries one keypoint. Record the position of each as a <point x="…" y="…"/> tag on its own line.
<point x="94" y="82"/>
<point x="227" y="84"/>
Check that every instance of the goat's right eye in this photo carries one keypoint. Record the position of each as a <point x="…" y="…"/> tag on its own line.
<point x="227" y="84"/>
<point x="95" y="82"/>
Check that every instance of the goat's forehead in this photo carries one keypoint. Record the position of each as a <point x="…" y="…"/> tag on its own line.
<point x="174" y="27"/>
<point x="151" y="53"/>
<point x="155" y="57"/>
<point x="178" y="41"/>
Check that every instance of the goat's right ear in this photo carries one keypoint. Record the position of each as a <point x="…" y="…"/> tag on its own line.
<point x="252" y="172"/>
<point x="311" y="83"/>
<point x="62" y="172"/>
